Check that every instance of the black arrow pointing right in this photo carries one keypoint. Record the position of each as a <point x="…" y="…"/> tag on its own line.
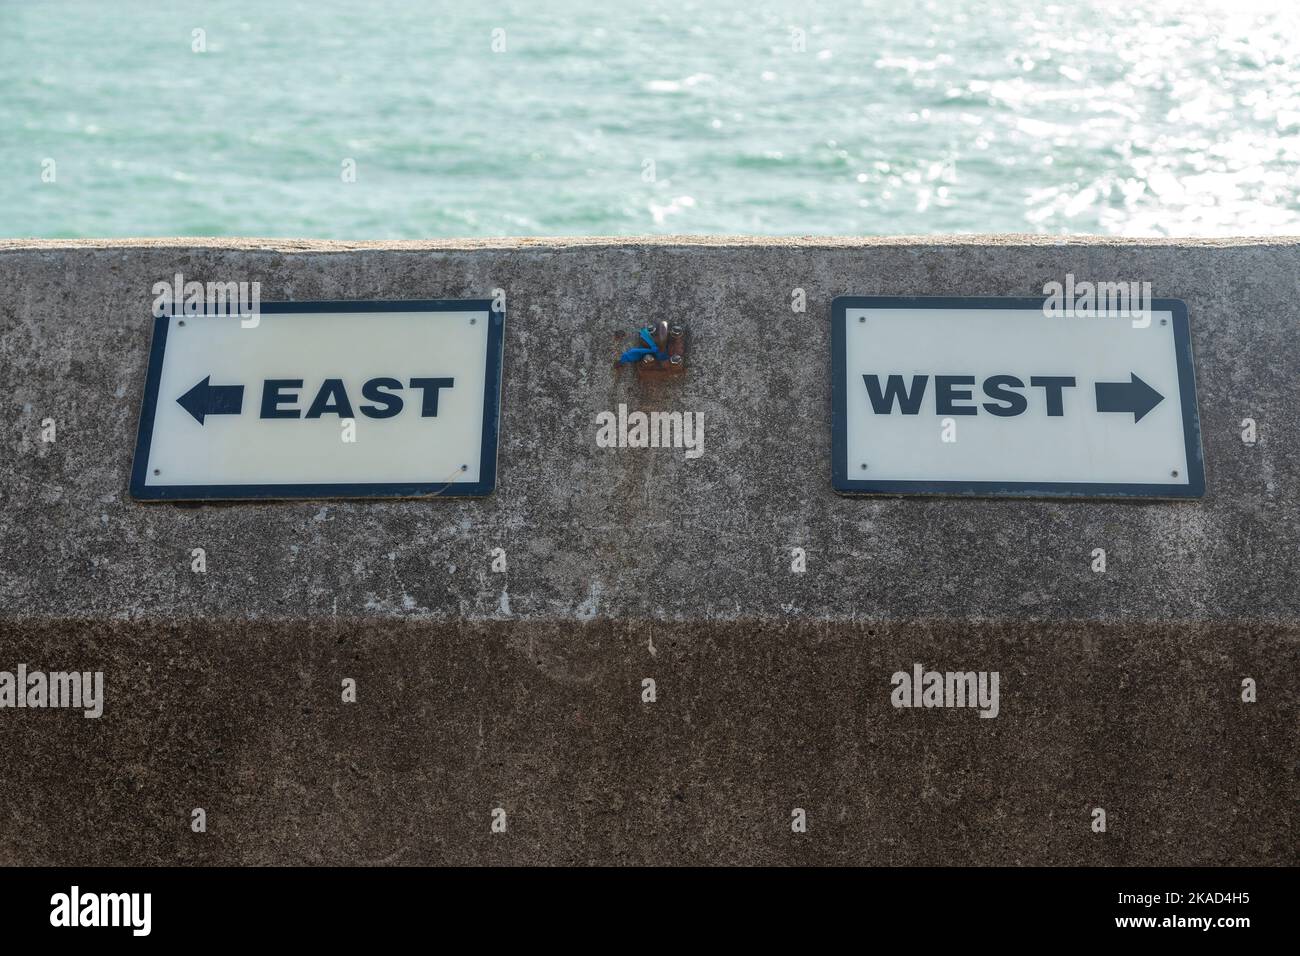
<point x="204" y="399"/>
<point x="1134" y="396"/>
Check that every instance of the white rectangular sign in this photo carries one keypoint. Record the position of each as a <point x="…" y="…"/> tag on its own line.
<point x="992" y="396"/>
<point x="322" y="400"/>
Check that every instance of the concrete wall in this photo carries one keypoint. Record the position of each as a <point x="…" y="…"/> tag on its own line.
<point x="523" y="691"/>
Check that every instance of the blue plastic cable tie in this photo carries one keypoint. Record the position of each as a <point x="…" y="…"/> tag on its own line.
<point x="638" y="353"/>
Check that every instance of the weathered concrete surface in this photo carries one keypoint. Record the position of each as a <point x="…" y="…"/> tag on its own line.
<point x="522" y="690"/>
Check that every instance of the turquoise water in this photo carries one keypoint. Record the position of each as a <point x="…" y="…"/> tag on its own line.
<point x="1139" y="118"/>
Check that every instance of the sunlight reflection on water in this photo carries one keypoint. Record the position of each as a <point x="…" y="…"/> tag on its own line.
<point x="1141" y="119"/>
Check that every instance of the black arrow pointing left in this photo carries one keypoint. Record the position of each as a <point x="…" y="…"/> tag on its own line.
<point x="204" y="399"/>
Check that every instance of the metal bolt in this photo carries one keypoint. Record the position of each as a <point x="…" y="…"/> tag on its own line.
<point x="864" y="466"/>
<point x="181" y="322"/>
<point x="464" y="467"/>
<point x="675" y="360"/>
<point x="862" y="318"/>
<point x="473" y="321"/>
<point x="1164" y="321"/>
<point x="675" y="331"/>
<point x="157" y="472"/>
<point x="1174" y="473"/>
<point x="647" y="360"/>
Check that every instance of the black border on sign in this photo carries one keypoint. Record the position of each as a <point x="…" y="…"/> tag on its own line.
<point x="491" y="416"/>
<point x="1195" y="487"/>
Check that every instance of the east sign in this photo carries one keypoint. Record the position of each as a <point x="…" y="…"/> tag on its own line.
<point x="322" y="400"/>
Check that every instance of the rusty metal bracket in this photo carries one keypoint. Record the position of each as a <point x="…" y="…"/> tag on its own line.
<point x="670" y="342"/>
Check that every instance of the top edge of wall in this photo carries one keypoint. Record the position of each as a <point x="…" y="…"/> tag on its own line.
<point x="254" y="244"/>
